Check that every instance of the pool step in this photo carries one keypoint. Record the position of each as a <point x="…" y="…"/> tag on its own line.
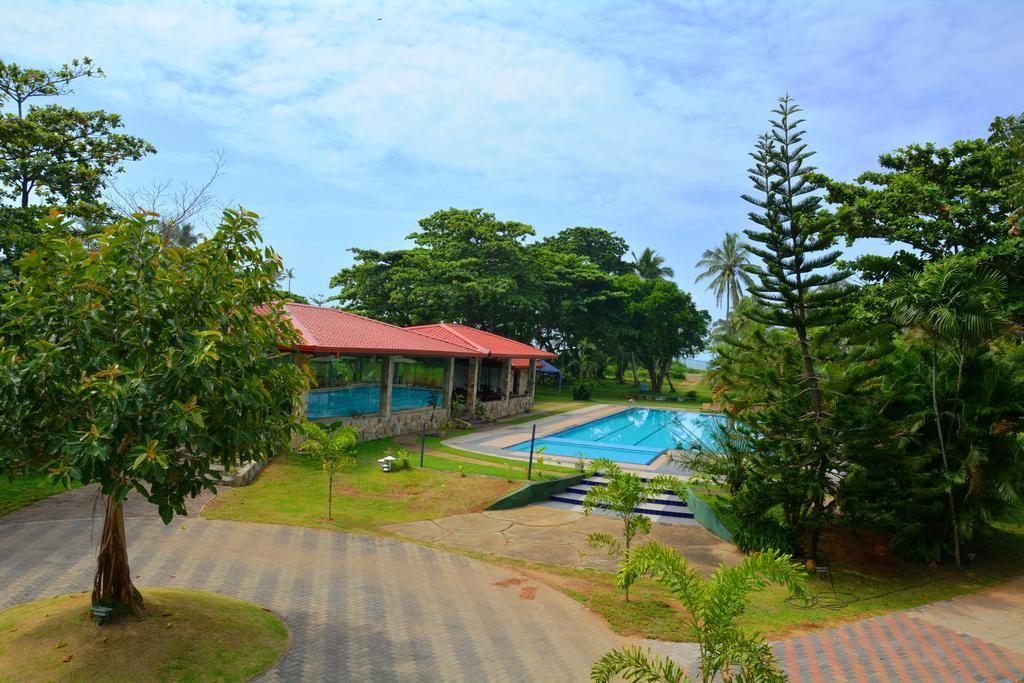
<point x="667" y="507"/>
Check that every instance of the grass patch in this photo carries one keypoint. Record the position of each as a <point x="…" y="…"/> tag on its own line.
<point x="25" y="489"/>
<point x="555" y="409"/>
<point x="188" y="635"/>
<point x="550" y="398"/>
<point x="518" y="468"/>
<point x="293" y="490"/>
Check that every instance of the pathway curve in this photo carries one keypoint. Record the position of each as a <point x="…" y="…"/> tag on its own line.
<point x="372" y="608"/>
<point x="358" y="607"/>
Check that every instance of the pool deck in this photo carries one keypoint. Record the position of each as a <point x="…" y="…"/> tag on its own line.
<point x="499" y="438"/>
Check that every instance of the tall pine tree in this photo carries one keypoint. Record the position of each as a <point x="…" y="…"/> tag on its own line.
<point x="797" y="289"/>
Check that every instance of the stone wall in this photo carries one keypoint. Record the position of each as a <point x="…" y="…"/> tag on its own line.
<point x="517" y="405"/>
<point x="404" y="422"/>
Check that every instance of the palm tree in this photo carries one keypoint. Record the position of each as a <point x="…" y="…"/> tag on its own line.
<point x="650" y="266"/>
<point x="287" y="274"/>
<point x="713" y="605"/>
<point x="728" y="266"/>
<point x="950" y="306"/>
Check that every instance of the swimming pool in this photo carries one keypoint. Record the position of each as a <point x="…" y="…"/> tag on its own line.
<point x="365" y="400"/>
<point x="636" y="435"/>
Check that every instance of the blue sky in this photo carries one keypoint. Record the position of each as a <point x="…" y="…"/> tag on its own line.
<point x="343" y="124"/>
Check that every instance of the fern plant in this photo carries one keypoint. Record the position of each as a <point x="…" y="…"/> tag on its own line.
<point x="712" y="605"/>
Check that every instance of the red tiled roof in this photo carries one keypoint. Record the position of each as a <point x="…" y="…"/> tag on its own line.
<point x="492" y="345"/>
<point x="331" y="330"/>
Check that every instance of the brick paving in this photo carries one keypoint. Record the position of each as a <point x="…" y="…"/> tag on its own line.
<point x="371" y="608"/>
<point x="898" y="647"/>
<point x="358" y="607"/>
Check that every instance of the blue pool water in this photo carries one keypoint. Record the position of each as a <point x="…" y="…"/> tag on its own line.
<point x="365" y="399"/>
<point x="636" y="435"/>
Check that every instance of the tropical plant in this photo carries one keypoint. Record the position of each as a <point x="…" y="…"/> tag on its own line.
<point x="712" y="607"/>
<point x="138" y="365"/>
<point x="952" y="306"/>
<point x="728" y="268"/>
<point x="651" y="266"/>
<point x="335" y="448"/>
<point x="623" y="493"/>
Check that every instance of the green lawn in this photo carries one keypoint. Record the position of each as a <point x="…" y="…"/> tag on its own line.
<point x="292" y="490"/>
<point x="549" y="397"/>
<point x="513" y="469"/>
<point x="24" y="490"/>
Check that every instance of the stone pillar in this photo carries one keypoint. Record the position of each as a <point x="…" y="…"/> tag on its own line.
<point x="387" y="371"/>
<point x="531" y="380"/>
<point x="472" y="379"/>
<point x="449" y="383"/>
<point x="506" y="379"/>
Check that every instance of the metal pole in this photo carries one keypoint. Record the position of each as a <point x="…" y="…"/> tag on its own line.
<point x="423" y="441"/>
<point x="533" y="437"/>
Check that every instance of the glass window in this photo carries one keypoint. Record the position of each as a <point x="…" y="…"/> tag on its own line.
<point x="346" y="386"/>
<point x="417" y="383"/>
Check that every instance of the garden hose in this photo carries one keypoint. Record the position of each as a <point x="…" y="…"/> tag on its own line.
<point x="836" y="600"/>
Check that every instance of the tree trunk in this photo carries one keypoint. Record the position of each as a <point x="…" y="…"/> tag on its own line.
<point x="668" y="375"/>
<point x="330" y="494"/>
<point x="945" y="461"/>
<point x="632" y="357"/>
<point x="113" y="586"/>
<point x="620" y="368"/>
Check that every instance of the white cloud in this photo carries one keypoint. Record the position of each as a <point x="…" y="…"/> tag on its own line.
<point x="636" y="115"/>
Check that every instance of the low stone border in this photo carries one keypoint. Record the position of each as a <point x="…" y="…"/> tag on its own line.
<point x="245" y="475"/>
<point x="535" y="492"/>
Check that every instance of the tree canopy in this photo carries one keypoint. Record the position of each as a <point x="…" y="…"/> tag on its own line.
<point x="572" y="292"/>
<point x="138" y="366"/>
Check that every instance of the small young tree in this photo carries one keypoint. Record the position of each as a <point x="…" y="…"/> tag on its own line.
<point x="138" y="365"/>
<point x="712" y="607"/>
<point x="622" y="495"/>
<point x="334" y="448"/>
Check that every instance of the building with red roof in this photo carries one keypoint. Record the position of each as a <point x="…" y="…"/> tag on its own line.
<point x="388" y="380"/>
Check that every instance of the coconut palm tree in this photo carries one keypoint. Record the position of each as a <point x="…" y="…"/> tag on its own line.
<point x="728" y="266"/>
<point x="651" y="266"/>
<point x="713" y="605"/>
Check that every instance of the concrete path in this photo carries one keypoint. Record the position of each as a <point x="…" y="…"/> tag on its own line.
<point x="359" y="608"/>
<point x="541" y="533"/>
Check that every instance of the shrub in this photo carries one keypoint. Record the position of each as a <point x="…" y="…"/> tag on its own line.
<point x="581" y="390"/>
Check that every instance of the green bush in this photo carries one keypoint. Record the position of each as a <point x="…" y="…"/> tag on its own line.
<point x="581" y="390"/>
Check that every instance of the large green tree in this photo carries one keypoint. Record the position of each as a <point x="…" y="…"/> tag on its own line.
<point x="53" y="156"/>
<point x="60" y="155"/>
<point x="933" y="202"/>
<point x="137" y="365"/>
<point x="666" y="322"/>
<point x="798" y="296"/>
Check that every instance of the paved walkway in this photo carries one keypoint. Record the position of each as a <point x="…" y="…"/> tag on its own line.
<point x="546" y="534"/>
<point x="906" y="647"/>
<point x="358" y="607"/>
<point x="371" y="608"/>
